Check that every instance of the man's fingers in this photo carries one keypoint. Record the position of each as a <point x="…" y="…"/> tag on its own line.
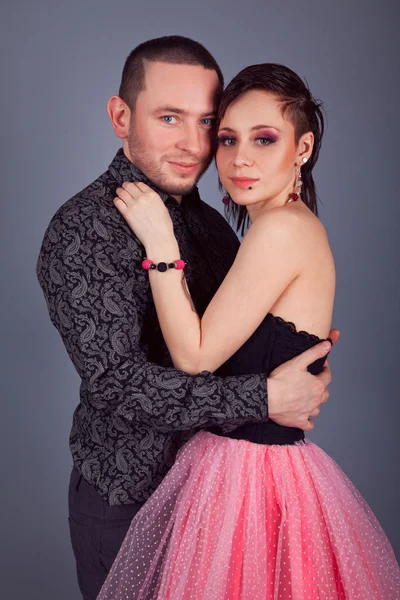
<point x="325" y="396"/>
<point x="325" y="376"/>
<point x="309" y="356"/>
<point x="334" y="334"/>
<point x="308" y="425"/>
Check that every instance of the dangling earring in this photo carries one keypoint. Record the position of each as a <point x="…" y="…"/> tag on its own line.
<point x="299" y="182"/>
<point x="296" y="194"/>
<point x="226" y="199"/>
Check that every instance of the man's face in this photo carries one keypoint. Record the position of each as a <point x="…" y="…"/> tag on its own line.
<point x="172" y="125"/>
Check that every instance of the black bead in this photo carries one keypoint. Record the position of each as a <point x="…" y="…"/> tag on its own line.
<point x="162" y="267"/>
<point x="171" y="266"/>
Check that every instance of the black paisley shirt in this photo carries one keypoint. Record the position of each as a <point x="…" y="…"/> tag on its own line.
<point x="135" y="409"/>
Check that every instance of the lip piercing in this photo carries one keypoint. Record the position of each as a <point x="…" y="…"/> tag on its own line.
<point x="249" y="188"/>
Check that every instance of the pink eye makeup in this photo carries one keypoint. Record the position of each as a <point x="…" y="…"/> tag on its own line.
<point x="225" y="139"/>
<point x="265" y="137"/>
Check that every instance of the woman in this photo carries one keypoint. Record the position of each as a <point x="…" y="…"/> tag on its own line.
<point x="259" y="513"/>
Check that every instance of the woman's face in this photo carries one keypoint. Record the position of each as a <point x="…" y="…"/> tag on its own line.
<point x="257" y="149"/>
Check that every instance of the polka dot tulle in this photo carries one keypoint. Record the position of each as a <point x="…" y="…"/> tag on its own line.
<point x="234" y="520"/>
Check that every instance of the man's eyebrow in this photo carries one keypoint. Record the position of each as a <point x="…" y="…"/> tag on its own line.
<point x="179" y="111"/>
<point x="170" y="109"/>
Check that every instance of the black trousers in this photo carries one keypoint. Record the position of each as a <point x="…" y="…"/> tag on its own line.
<point x="97" y="532"/>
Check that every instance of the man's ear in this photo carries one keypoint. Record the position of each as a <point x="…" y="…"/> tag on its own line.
<point x="120" y="116"/>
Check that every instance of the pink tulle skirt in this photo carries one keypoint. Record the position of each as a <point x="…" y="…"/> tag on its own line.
<point x="234" y="520"/>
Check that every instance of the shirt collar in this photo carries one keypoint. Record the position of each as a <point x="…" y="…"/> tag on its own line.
<point x="122" y="170"/>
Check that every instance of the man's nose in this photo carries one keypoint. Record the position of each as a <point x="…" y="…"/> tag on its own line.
<point x="191" y="140"/>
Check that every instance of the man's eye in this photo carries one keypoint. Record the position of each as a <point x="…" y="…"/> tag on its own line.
<point x="207" y="122"/>
<point x="169" y="119"/>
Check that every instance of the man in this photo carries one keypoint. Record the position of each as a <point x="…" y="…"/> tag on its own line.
<point x="135" y="409"/>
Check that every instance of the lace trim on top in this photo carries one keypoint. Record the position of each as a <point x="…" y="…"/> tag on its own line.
<point x="289" y="325"/>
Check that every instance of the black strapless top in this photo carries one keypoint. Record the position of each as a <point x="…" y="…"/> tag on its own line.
<point x="273" y="343"/>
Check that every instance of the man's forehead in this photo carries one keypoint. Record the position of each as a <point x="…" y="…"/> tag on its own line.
<point x="189" y="89"/>
<point x="163" y="75"/>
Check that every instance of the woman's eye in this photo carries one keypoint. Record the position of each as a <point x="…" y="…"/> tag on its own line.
<point x="264" y="141"/>
<point x="226" y="141"/>
<point x="169" y="119"/>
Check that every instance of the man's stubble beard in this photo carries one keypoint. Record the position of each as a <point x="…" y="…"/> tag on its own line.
<point x="143" y="160"/>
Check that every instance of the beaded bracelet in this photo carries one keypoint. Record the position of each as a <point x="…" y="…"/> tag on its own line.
<point x="162" y="266"/>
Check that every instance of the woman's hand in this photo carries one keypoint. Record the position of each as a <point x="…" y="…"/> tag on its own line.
<point x="145" y="213"/>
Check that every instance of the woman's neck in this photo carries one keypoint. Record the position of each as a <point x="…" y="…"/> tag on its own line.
<point x="260" y="208"/>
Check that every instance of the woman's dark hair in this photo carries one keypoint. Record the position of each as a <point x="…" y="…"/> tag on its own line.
<point x="298" y="105"/>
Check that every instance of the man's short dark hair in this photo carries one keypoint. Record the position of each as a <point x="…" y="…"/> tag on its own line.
<point x="173" y="49"/>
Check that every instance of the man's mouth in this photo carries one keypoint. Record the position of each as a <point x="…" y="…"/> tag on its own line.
<point x="184" y="167"/>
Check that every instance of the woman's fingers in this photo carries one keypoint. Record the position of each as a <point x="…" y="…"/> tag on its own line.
<point x="120" y="205"/>
<point x="124" y="195"/>
<point x="144" y="211"/>
<point x="130" y="191"/>
<point x="133" y="187"/>
<point x="143" y="187"/>
<point x="129" y="187"/>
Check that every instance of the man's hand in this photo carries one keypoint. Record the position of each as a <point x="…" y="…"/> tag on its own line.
<point x="294" y="395"/>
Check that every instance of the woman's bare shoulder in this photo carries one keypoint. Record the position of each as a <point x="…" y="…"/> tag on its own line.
<point x="296" y="223"/>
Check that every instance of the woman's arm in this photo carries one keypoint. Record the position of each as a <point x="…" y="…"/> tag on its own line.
<point x="267" y="262"/>
<point x="269" y="259"/>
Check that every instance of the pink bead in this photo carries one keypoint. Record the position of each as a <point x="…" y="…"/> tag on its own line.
<point x="146" y="264"/>
<point x="180" y="264"/>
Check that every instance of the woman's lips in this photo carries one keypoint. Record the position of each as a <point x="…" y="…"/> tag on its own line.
<point x="243" y="182"/>
<point x="181" y="167"/>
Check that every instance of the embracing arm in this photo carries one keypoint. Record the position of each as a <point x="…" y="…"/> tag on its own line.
<point x="96" y="294"/>
<point x="293" y="393"/>
<point x="268" y="260"/>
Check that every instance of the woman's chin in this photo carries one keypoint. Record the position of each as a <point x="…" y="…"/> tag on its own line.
<point x="241" y="200"/>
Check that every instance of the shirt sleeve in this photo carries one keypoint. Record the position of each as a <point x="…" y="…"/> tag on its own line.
<point x="97" y="302"/>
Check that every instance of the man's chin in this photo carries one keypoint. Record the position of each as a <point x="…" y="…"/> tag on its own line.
<point x="179" y="191"/>
<point x="179" y="188"/>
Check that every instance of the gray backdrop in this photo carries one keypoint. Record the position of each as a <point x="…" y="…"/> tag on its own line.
<point x="60" y="63"/>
